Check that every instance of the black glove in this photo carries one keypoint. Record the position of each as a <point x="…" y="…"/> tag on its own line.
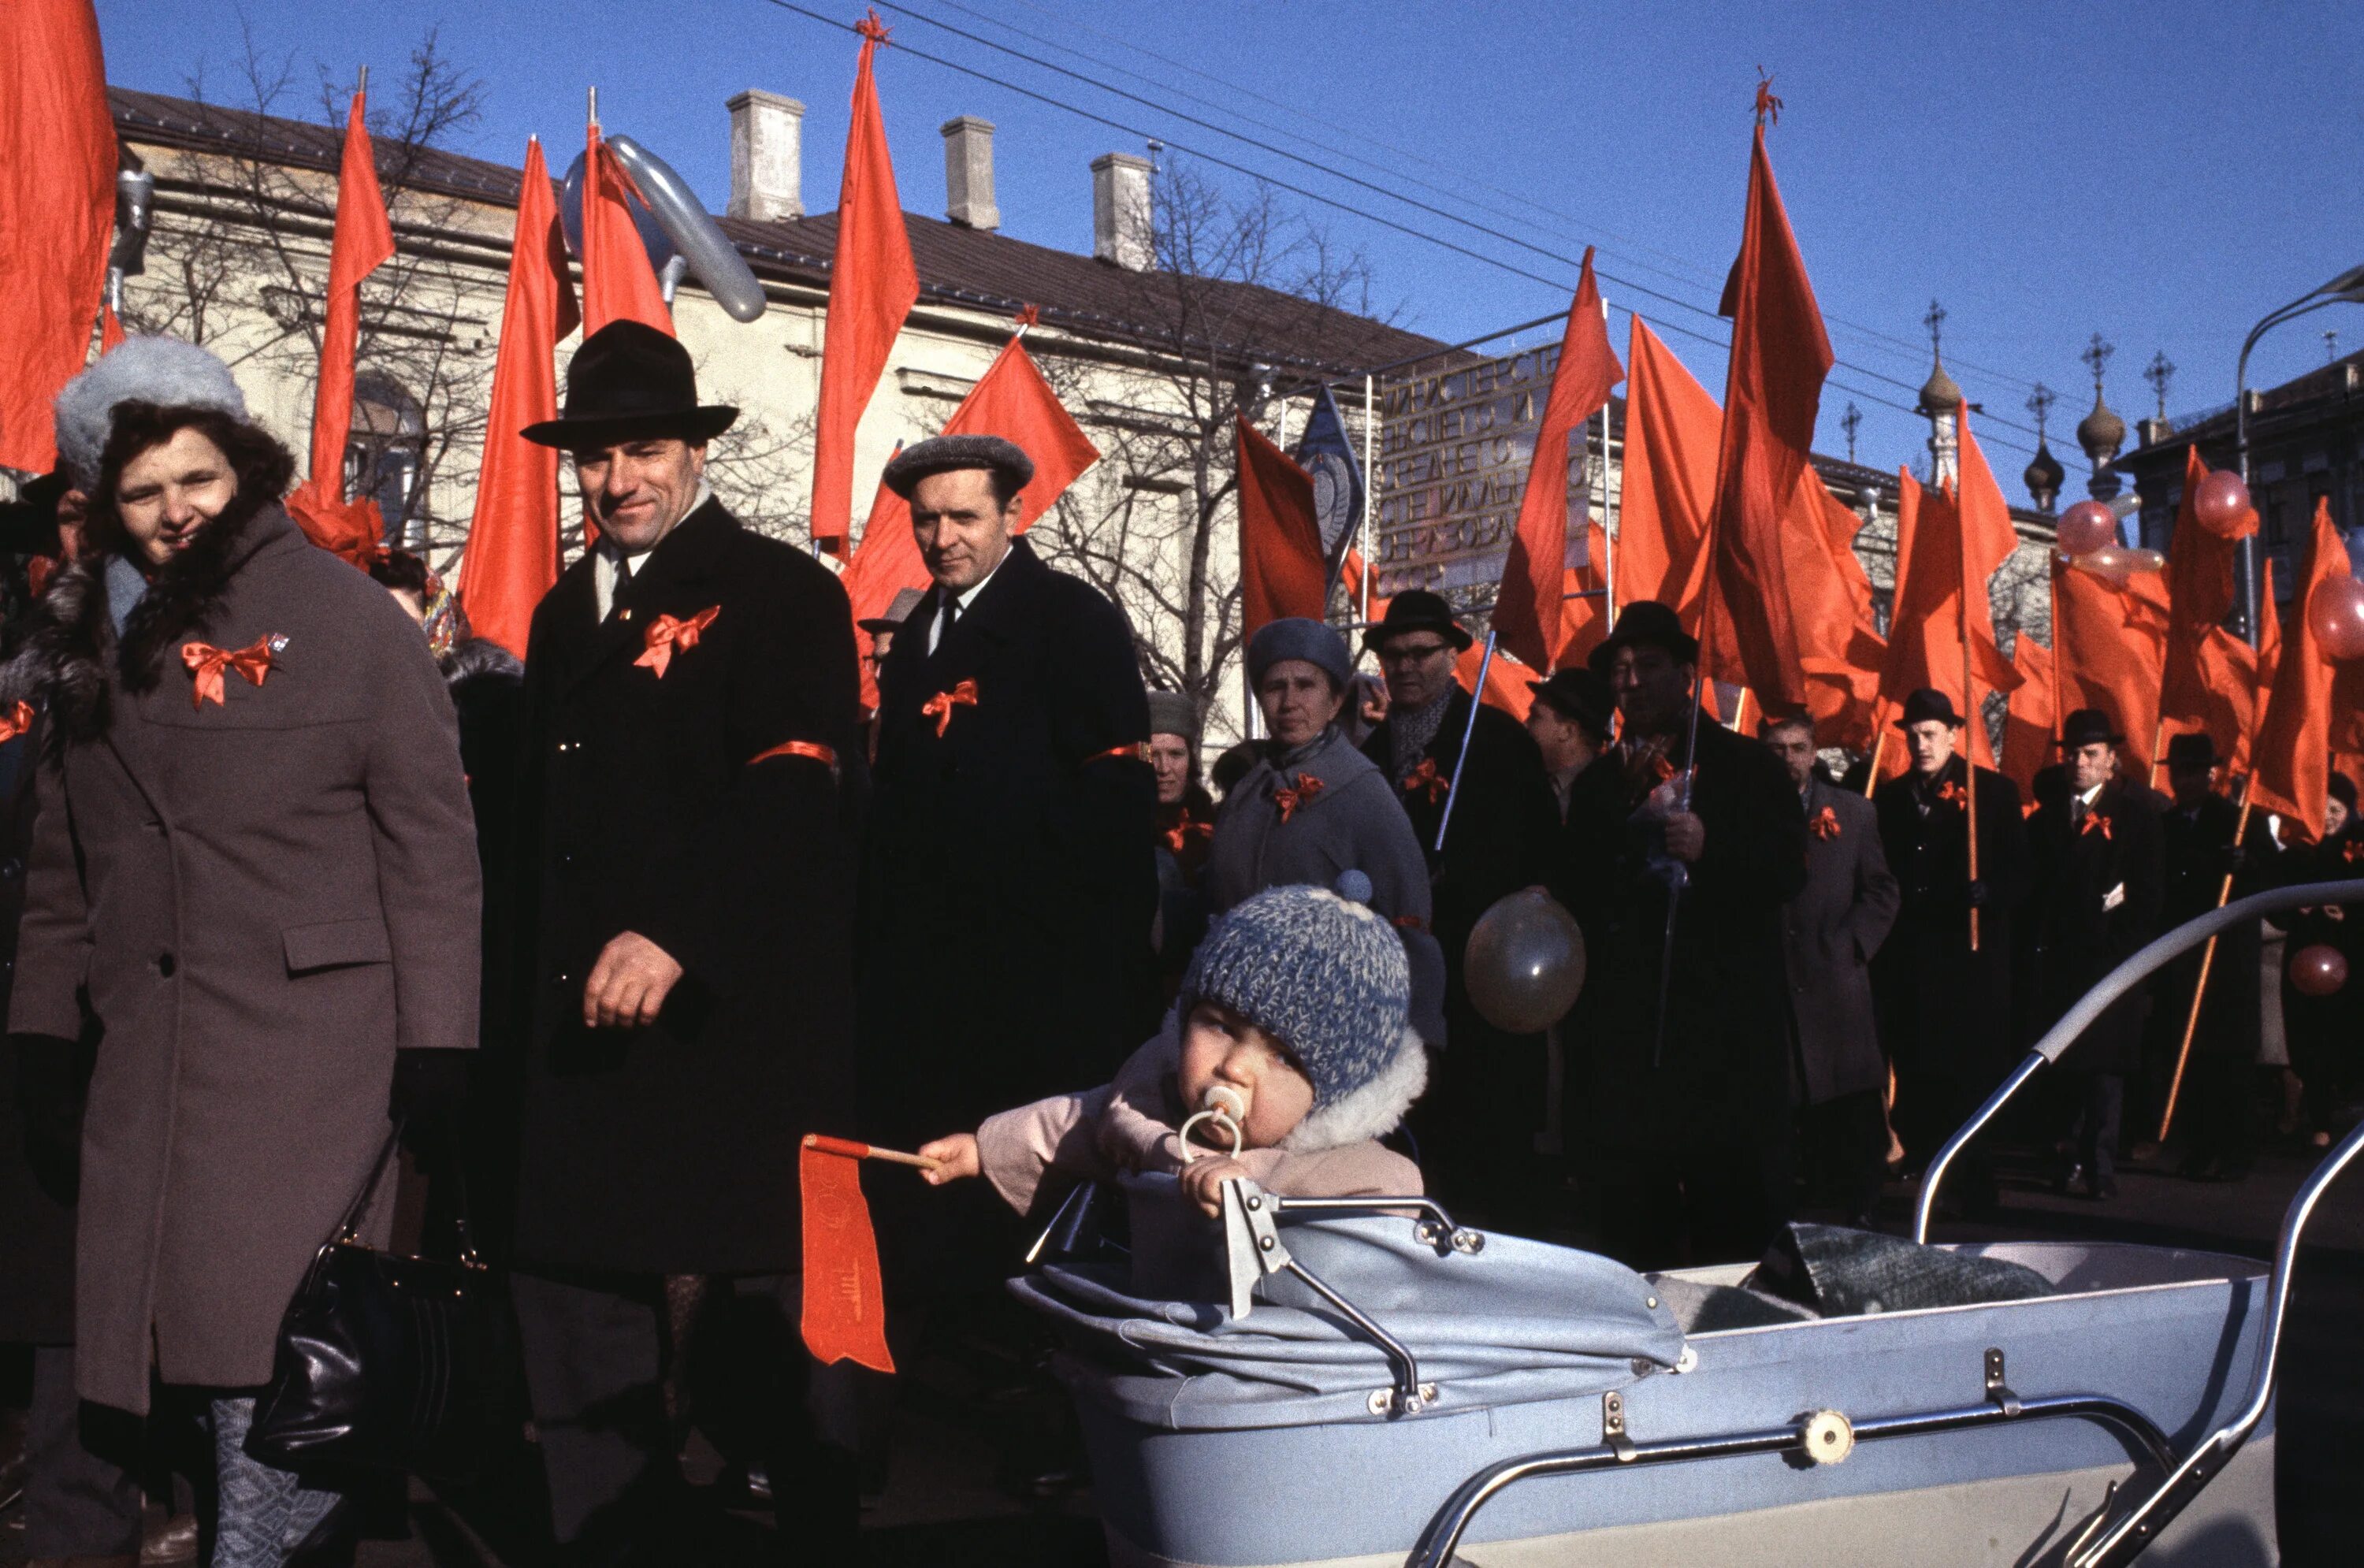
<point x="430" y="1088"/>
<point x="1978" y="893"/>
<point x="50" y="1089"/>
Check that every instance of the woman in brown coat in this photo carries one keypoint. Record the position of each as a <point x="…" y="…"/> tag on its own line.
<point x="254" y="853"/>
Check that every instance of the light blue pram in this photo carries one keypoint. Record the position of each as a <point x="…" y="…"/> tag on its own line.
<point x="1352" y="1384"/>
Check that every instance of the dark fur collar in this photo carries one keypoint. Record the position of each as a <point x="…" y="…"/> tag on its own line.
<point x="64" y="664"/>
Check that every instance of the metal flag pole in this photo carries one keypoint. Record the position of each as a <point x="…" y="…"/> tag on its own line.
<point x="1370" y="486"/>
<point x="1476" y="701"/>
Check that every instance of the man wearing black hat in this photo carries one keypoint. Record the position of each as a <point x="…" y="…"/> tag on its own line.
<point x="2215" y="1105"/>
<point x="691" y="739"/>
<point x="1571" y="720"/>
<point x="2095" y="838"/>
<point x="1684" y="1117"/>
<point x="1478" y="1121"/>
<point x="1008" y="883"/>
<point x="1945" y="1007"/>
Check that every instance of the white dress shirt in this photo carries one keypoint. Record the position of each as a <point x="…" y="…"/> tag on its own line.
<point x="936" y="627"/>
<point x="610" y="567"/>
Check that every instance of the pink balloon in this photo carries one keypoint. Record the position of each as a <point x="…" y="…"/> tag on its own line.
<point x="2221" y="505"/>
<point x="2086" y="526"/>
<point x="2334" y="614"/>
<point x="2118" y="564"/>
<point x="2318" y="971"/>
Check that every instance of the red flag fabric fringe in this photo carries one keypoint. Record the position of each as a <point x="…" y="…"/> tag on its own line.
<point x="2294" y="749"/>
<point x="618" y="284"/>
<point x="872" y="285"/>
<point x="1779" y="356"/>
<point x="1281" y="571"/>
<point x="364" y="241"/>
<point x="844" y="1304"/>
<point x="1011" y="400"/>
<point x="1528" y="610"/>
<point x="57" y="212"/>
<point x="512" y="555"/>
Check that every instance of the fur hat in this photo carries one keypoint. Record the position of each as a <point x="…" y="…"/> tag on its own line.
<point x="1294" y="637"/>
<point x="1326" y="977"/>
<point x="163" y="370"/>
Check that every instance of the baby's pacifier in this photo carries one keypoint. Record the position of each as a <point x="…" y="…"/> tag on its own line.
<point x="1223" y="1107"/>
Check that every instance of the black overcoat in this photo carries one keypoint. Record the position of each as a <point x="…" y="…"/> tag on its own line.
<point x="1724" y="1068"/>
<point x="2095" y="902"/>
<point x="1829" y="933"/>
<point x="653" y="805"/>
<point x="1944" y="1010"/>
<point x="40" y="1112"/>
<point x="1009" y="878"/>
<point x="2195" y="851"/>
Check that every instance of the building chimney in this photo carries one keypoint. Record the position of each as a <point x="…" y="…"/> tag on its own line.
<point x="968" y="172"/>
<point x="1121" y="229"/>
<point x="767" y="156"/>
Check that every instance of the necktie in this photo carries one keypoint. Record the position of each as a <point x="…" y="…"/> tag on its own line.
<point x="951" y="614"/>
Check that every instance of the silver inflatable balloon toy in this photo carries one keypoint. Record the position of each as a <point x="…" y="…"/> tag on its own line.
<point x="1524" y="963"/>
<point x="693" y="232"/>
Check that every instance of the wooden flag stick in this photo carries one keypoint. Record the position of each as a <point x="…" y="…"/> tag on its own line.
<point x="1879" y="744"/>
<point x="2207" y="959"/>
<point x="1971" y="715"/>
<point x="869" y="1151"/>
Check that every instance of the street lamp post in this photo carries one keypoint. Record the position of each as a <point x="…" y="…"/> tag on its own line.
<point x="2347" y="287"/>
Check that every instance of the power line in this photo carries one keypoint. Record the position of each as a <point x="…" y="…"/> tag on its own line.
<point x="1559" y="284"/>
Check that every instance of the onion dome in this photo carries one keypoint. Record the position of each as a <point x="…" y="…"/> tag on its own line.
<point x="2101" y="432"/>
<point x="1938" y="393"/>
<point x="2045" y="477"/>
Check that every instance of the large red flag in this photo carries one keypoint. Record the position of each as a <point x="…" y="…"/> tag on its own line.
<point x="2032" y="723"/>
<point x="1281" y="573"/>
<point x="2108" y="647"/>
<point x="1528" y="618"/>
<point x="1011" y="400"/>
<point x="57" y="211"/>
<point x="2211" y="681"/>
<point x="2293" y="751"/>
<point x="1672" y="430"/>
<point x="512" y="556"/>
<point x="618" y="284"/>
<point x="1942" y="565"/>
<point x="871" y="286"/>
<point x="1779" y="355"/>
<point x="363" y="242"/>
<point x="1838" y="645"/>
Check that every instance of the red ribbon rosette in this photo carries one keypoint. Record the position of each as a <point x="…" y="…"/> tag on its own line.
<point x="208" y="664"/>
<point x="1289" y="799"/>
<point x="668" y="635"/>
<point x="1426" y="777"/>
<point x="1825" y="825"/>
<point x="940" y="706"/>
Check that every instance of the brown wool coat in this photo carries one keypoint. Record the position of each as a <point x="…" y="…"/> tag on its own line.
<point x="265" y="899"/>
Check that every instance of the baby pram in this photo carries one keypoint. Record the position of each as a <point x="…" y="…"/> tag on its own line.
<point x="1347" y="1383"/>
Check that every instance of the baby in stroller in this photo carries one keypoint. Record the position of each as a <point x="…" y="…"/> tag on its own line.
<point x="1287" y="1047"/>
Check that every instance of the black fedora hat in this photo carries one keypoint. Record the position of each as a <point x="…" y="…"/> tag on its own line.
<point x="1580" y="697"/>
<point x="2197" y="749"/>
<point x="1926" y="704"/>
<point x="1646" y="622"/>
<point x="630" y="383"/>
<point x="2092" y="726"/>
<point x="1417" y="610"/>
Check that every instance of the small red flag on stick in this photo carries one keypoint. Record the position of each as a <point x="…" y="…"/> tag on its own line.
<point x="844" y="1305"/>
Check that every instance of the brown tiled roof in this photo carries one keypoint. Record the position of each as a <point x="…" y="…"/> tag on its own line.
<point x="957" y="266"/>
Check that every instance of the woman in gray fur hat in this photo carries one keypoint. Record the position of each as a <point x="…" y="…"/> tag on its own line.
<point x="253" y="855"/>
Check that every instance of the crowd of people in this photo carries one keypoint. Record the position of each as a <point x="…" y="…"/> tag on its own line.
<point x="286" y="841"/>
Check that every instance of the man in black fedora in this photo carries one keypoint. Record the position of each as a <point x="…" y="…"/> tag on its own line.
<point x="692" y="741"/>
<point x="1944" y="1009"/>
<point x="2095" y="840"/>
<point x="1682" y="1123"/>
<point x="1479" y="1120"/>
<point x="1572" y="720"/>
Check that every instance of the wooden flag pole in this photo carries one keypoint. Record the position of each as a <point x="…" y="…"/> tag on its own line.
<point x="1969" y="704"/>
<point x="2207" y="959"/>
<point x="1878" y="745"/>
<point x="870" y="1151"/>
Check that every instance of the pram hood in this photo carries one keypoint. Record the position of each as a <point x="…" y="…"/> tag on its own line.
<point x="1520" y="1320"/>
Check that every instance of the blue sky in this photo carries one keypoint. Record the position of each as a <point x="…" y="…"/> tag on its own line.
<point x="2164" y="174"/>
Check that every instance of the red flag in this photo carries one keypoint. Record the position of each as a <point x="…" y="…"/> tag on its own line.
<point x="2029" y="731"/>
<point x="1838" y="645"/>
<point x="57" y="212"/>
<point x="1011" y="400"/>
<point x="844" y="1305"/>
<point x="1281" y="572"/>
<point x="1935" y="554"/>
<point x="618" y="284"/>
<point x="871" y="286"/>
<point x="2211" y="681"/>
<point x="1585" y="621"/>
<point x="2295" y="749"/>
<point x="1672" y="430"/>
<point x="1527" y="611"/>
<point x="2108" y="647"/>
<point x="364" y="241"/>
<point x="886" y="508"/>
<point x="110" y="330"/>
<point x="1779" y="355"/>
<point x="512" y="556"/>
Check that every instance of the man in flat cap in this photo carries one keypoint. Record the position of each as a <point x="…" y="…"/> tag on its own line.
<point x="1010" y="882"/>
<point x="2215" y="1108"/>
<point x="692" y="737"/>
<point x="1478" y="1122"/>
<point x="1683" y="1122"/>
<point x="2095" y="839"/>
<point x="1944" y="1009"/>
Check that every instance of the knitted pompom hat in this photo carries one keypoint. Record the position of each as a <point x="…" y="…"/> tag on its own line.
<point x="1326" y="977"/>
<point x="163" y="370"/>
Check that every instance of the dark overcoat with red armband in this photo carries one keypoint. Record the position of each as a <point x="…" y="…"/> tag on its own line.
<point x="692" y="773"/>
<point x="1009" y="880"/>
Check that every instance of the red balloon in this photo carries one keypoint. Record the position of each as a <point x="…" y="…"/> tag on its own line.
<point x="2318" y="971"/>
<point x="2221" y="505"/>
<point x="2334" y="613"/>
<point x="2118" y="564"/>
<point x="2086" y="527"/>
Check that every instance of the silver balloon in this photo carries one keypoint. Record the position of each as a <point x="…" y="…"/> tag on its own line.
<point x="693" y="232"/>
<point x="1525" y="964"/>
<point x="653" y="238"/>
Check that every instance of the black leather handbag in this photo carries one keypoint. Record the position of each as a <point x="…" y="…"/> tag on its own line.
<point x="388" y="1362"/>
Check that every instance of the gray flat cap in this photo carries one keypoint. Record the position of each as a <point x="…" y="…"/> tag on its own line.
<point x="1172" y="713"/>
<point x="948" y="454"/>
